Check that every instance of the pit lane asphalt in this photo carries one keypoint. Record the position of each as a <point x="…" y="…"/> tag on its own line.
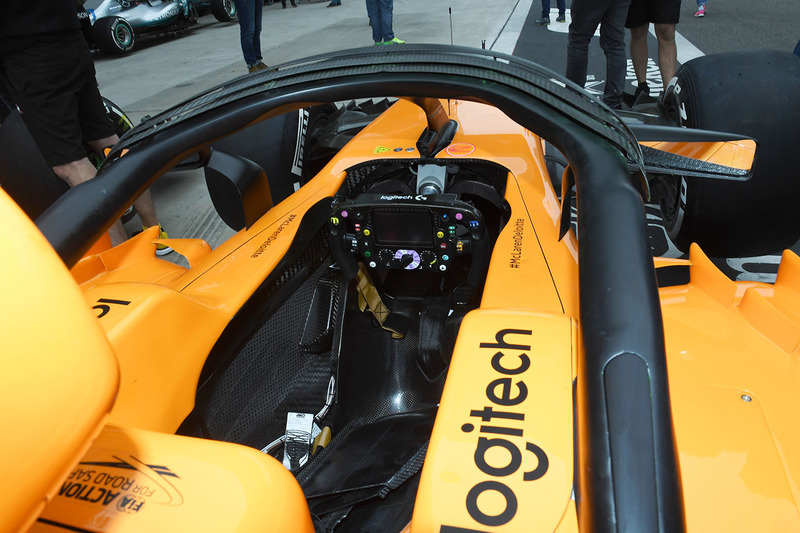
<point x="165" y="70"/>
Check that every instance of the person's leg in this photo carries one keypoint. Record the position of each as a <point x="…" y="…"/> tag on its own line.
<point x="75" y="172"/>
<point x="147" y="210"/>
<point x="667" y="51"/>
<point x="374" y="13"/>
<point x="257" y="12"/>
<point x="562" y="10"/>
<point x="585" y="18"/>
<point x="545" y="13"/>
<point x="79" y="171"/>
<point x="639" y="51"/>
<point x="612" y="41"/>
<point x="386" y="9"/>
<point x="246" y="15"/>
<point x="143" y="205"/>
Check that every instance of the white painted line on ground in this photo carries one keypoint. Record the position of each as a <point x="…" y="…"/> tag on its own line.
<point x="506" y="40"/>
<point x="686" y="50"/>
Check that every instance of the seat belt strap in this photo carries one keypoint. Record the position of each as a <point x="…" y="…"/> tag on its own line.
<point x="369" y="300"/>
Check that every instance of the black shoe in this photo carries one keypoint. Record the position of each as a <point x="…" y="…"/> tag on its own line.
<point x="294" y="5"/>
<point x="642" y="89"/>
<point x="544" y="21"/>
<point x="640" y="96"/>
<point x="561" y="18"/>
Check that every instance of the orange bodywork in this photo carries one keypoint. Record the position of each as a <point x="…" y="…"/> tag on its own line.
<point x="502" y="453"/>
<point x="736" y="154"/>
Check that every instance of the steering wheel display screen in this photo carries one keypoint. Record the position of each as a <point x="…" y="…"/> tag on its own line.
<point x="403" y="228"/>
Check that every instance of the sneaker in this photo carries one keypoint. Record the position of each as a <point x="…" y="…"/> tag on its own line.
<point x="544" y="21"/>
<point x="561" y="18"/>
<point x="641" y="91"/>
<point x="701" y="11"/>
<point x="255" y="68"/>
<point x="162" y="249"/>
<point x="395" y="41"/>
<point x="378" y="43"/>
<point x="641" y="95"/>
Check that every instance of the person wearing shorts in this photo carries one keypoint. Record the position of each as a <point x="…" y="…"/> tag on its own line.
<point x="53" y="84"/>
<point x="50" y="74"/>
<point x="664" y="14"/>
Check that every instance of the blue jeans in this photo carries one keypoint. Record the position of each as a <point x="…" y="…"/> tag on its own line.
<point x="250" y="29"/>
<point x="610" y="15"/>
<point x="380" y="16"/>
<point x="562" y="7"/>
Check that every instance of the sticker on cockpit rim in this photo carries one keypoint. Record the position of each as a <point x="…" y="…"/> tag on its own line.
<point x="381" y="149"/>
<point x="460" y="149"/>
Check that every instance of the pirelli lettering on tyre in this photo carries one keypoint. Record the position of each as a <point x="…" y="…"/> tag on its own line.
<point x="501" y="446"/>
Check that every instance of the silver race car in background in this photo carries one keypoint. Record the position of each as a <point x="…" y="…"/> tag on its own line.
<point x="111" y="26"/>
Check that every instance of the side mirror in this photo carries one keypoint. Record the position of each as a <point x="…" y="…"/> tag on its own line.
<point x="239" y="189"/>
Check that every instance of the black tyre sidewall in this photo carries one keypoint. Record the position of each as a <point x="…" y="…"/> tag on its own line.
<point x="277" y="145"/>
<point x="222" y="14"/>
<point x="754" y="93"/>
<point x="105" y="38"/>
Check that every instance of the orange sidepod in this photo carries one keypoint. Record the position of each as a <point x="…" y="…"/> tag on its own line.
<point x="137" y="480"/>
<point x="58" y="374"/>
<point x="501" y="454"/>
<point x="734" y="373"/>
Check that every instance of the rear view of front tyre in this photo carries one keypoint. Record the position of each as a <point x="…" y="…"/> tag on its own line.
<point x="223" y="10"/>
<point x="753" y="93"/>
<point x="113" y="35"/>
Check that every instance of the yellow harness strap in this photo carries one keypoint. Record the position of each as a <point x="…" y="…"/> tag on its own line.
<point x="370" y="301"/>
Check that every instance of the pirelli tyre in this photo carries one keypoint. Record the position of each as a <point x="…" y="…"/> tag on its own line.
<point x="223" y="10"/>
<point x="753" y="93"/>
<point x="113" y="35"/>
